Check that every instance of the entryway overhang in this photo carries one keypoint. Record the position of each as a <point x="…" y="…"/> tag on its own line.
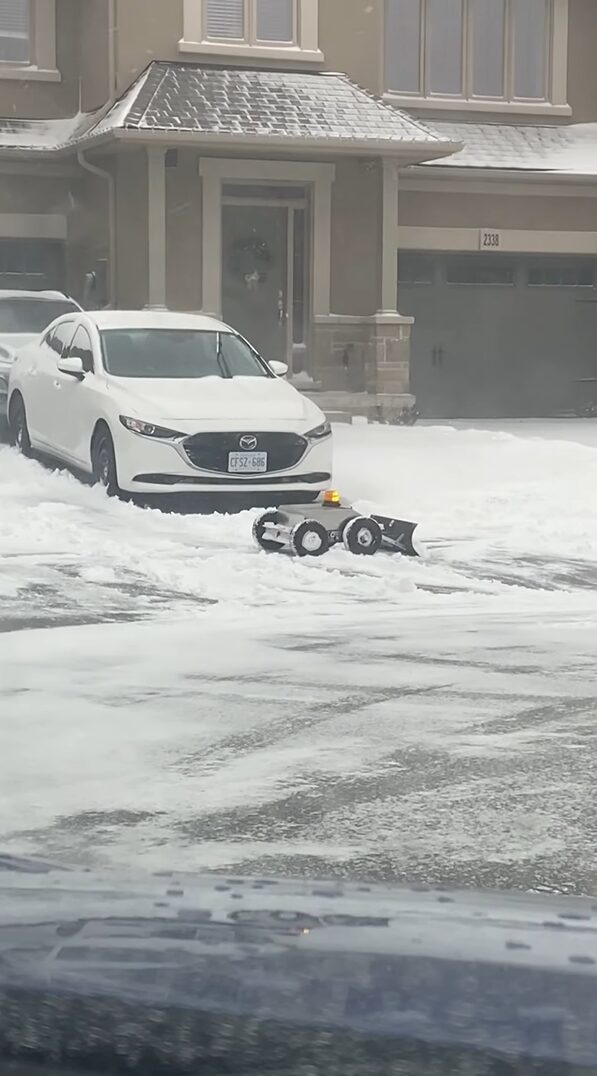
<point x="225" y="110"/>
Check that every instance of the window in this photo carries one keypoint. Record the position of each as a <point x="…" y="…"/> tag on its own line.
<point x="480" y="270"/>
<point x="557" y="275"/>
<point x="14" y="31"/>
<point x="475" y="50"/>
<point x="81" y="349"/>
<point x="29" y="315"/>
<point x="415" y="268"/>
<point x="60" y="337"/>
<point x="251" y="21"/>
<point x="256" y="29"/>
<point x="28" y="40"/>
<point x="178" y="353"/>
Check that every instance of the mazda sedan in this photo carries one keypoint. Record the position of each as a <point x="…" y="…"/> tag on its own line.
<point x="158" y="402"/>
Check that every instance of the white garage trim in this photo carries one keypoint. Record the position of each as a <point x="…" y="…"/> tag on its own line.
<point x="33" y="226"/>
<point x="431" y="179"/>
<point x="512" y="240"/>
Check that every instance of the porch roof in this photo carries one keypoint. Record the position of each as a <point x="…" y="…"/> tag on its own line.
<point x="216" y="106"/>
<point x="567" y="150"/>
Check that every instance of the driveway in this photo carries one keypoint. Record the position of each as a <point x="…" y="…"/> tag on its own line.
<point x="172" y="697"/>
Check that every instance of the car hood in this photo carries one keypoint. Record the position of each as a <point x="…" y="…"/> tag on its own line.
<point x="237" y="398"/>
<point x="177" y="970"/>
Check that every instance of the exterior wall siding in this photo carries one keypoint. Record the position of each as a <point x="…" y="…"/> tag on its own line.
<point x="88" y="242"/>
<point x="582" y="69"/>
<point x="356" y="259"/>
<point x="94" y="62"/>
<point x="184" y="234"/>
<point x="351" y="38"/>
<point x="146" y="30"/>
<point x="494" y="211"/>
<point x="131" y="230"/>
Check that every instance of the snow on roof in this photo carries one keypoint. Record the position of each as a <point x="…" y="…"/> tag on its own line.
<point x="318" y="109"/>
<point x="567" y="150"/>
<point x="312" y="106"/>
<point x="315" y="108"/>
<point x="43" y="135"/>
<point x="42" y="296"/>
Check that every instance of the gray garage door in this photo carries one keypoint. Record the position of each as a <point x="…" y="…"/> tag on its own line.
<point x="32" y="264"/>
<point x="499" y="336"/>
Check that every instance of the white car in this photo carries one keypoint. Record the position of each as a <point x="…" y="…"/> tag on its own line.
<point x="23" y="316"/>
<point x="158" y="402"/>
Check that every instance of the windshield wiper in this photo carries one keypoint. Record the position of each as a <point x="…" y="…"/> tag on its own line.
<point x="220" y="358"/>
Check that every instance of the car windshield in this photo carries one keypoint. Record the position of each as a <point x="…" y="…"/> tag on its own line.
<point x="178" y="353"/>
<point x="31" y="315"/>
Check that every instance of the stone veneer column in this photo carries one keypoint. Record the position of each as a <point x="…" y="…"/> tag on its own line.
<point x="368" y="355"/>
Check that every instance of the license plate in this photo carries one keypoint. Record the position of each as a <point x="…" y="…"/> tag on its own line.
<point x="247" y="462"/>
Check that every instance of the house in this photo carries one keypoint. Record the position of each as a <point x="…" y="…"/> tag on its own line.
<point x="390" y="194"/>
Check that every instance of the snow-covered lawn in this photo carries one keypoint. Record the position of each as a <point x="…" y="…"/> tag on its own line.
<point x="390" y="717"/>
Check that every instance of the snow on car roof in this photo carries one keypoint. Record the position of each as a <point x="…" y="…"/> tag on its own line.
<point x="43" y="296"/>
<point x="156" y="319"/>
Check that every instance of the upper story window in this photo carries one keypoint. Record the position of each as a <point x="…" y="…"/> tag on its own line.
<point x="251" y="21"/>
<point x="255" y="29"/>
<point x="477" y="51"/>
<point x="14" y="31"/>
<point x="28" y="40"/>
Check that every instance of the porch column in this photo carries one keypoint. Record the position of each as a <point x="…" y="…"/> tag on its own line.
<point x="389" y="237"/>
<point x="390" y="341"/>
<point x="212" y="241"/>
<point x="156" y="224"/>
<point x="322" y="244"/>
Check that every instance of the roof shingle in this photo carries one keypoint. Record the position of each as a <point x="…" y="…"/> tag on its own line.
<point x="316" y="109"/>
<point x="567" y="150"/>
<point x="285" y="105"/>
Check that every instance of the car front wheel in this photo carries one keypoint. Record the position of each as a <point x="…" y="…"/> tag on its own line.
<point x="18" y="426"/>
<point x="103" y="459"/>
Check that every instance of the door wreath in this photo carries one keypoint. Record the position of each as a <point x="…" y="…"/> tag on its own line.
<point x="249" y="260"/>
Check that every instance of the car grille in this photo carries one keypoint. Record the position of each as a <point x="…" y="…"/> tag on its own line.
<point x="209" y="451"/>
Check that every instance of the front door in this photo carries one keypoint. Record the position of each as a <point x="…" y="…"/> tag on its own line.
<point x="263" y="269"/>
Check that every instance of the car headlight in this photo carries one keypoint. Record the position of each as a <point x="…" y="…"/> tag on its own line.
<point x="319" y="432"/>
<point x="147" y="429"/>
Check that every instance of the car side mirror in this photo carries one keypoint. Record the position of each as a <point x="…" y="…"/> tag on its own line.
<point x="73" y="366"/>
<point x="280" y="369"/>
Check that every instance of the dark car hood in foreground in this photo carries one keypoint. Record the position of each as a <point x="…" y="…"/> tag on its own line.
<point x="166" y="973"/>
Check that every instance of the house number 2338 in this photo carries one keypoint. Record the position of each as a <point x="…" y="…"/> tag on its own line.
<point x="490" y="240"/>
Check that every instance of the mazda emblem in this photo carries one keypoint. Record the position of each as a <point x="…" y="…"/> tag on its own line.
<point x="248" y="442"/>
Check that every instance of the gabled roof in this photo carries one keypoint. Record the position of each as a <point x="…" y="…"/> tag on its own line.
<point x="567" y="150"/>
<point x="215" y="105"/>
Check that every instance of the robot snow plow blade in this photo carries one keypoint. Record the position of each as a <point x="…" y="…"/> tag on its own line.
<point x="310" y="530"/>
<point x="397" y="535"/>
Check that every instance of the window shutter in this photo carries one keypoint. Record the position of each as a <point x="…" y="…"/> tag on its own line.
<point x="14" y="17"/>
<point x="275" y="20"/>
<point x="225" y="18"/>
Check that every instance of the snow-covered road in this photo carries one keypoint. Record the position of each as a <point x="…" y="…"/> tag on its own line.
<point x="202" y="704"/>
